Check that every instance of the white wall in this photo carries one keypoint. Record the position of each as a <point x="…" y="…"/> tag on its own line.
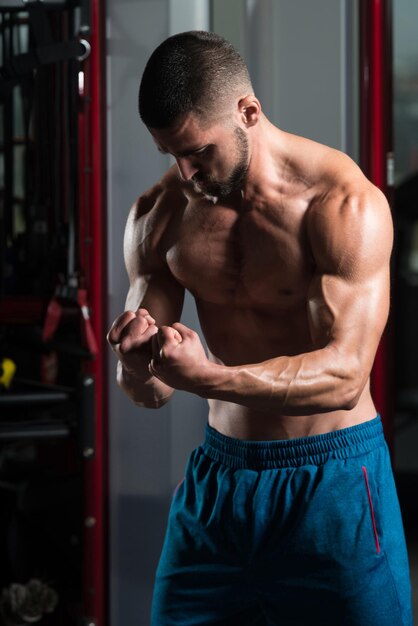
<point x="303" y="60"/>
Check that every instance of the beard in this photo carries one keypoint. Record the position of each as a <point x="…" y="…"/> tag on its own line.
<point x="218" y="188"/>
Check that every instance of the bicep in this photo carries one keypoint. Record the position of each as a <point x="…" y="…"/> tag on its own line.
<point x="349" y="316"/>
<point x="159" y="293"/>
<point x="348" y="301"/>
<point x="152" y="286"/>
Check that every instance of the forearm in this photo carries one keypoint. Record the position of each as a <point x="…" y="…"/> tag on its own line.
<point x="314" y="382"/>
<point x="143" y="389"/>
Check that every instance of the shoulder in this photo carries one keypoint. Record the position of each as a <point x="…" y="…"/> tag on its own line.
<point x="348" y="198"/>
<point x="349" y="221"/>
<point x="338" y="188"/>
<point x="155" y="208"/>
<point x="163" y="197"/>
<point x="150" y="217"/>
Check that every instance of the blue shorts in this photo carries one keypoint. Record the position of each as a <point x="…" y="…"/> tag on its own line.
<point x="303" y="532"/>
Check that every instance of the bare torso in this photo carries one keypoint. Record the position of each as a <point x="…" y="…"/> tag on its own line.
<point x="249" y="265"/>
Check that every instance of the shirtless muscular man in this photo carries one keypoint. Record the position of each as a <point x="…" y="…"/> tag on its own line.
<point x="288" y="513"/>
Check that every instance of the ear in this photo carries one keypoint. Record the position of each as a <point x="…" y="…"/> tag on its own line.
<point x="249" y="110"/>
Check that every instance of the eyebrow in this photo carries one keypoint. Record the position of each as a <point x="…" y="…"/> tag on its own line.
<point x="184" y="153"/>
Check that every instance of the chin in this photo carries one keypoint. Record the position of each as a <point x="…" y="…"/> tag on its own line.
<point x="213" y="199"/>
<point x="217" y="190"/>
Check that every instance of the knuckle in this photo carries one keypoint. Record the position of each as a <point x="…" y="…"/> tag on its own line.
<point x="190" y="334"/>
<point x="125" y="346"/>
<point x="165" y="353"/>
<point x="149" y="332"/>
<point x="126" y="317"/>
<point x="119" y="324"/>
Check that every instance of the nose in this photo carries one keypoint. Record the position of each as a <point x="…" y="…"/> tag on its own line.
<point x="186" y="168"/>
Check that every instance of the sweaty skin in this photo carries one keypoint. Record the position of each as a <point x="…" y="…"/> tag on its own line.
<point x="290" y="273"/>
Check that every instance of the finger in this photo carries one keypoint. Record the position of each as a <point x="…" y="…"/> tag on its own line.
<point x="163" y="343"/>
<point x="118" y="325"/>
<point x="183" y="330"/>
<point x="155" y="370"/>
<point x="145" y="313"/>
<point x="155" y="345"/>
<point x="136" y="327"/>
<point x="168" y="337"/>
<point x="118" y="328"/>
<point x="134" y="336"/>
<point x="176" y="334"/>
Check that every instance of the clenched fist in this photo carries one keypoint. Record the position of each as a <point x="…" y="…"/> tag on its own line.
<point x="179" y="359"/>
<point x="130" y="338"/>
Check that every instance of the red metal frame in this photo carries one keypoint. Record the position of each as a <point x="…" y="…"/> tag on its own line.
<point x="92" y="212"/>
<point x="375" y="145"/>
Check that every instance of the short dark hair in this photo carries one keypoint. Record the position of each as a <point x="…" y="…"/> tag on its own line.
<point x="194" y="71"/>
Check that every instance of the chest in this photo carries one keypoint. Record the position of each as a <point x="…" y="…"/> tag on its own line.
<point x="258" y="258"/>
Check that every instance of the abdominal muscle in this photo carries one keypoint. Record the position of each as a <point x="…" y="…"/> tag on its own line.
<point x="249" y="332"/>
<point x="239" y="422"/>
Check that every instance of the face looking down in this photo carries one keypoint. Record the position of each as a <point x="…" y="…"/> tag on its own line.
<point x="213" y="159"/>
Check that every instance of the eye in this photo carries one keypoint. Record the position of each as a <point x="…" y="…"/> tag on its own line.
<point x="201" y="150"/>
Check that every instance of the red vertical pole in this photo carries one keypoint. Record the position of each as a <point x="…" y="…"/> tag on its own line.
<point x="376" y="146"/>
<point x="92" y="204"/>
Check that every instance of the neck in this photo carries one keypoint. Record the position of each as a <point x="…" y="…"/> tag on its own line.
<point x="267" y="157"/>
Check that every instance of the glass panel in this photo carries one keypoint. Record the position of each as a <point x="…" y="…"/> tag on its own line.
<point x="405" y="87"/>
<point x="405" y="309"/>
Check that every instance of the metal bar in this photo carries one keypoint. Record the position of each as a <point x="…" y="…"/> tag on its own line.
<point x="2" y="191"/>
<point x="12" y="400"/>
<point x="73" y="258"/>
<point x="10" y="432"/>
<point x="8" y="134"/>
<point x="87" y="417"/>
<point x="23" y="5"/>
<point x="376" y="143"/>
<point x="95" y="470"/>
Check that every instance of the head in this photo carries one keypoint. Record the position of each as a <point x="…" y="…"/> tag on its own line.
<point x="193" y="72"/>
<point x="192" y="91"/>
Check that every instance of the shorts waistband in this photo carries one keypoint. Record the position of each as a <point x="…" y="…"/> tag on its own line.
<point x="316" y="450"/>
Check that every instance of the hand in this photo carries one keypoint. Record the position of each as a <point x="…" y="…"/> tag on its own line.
<point x="130" y="339"/>
<point x="179" y="359"/>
